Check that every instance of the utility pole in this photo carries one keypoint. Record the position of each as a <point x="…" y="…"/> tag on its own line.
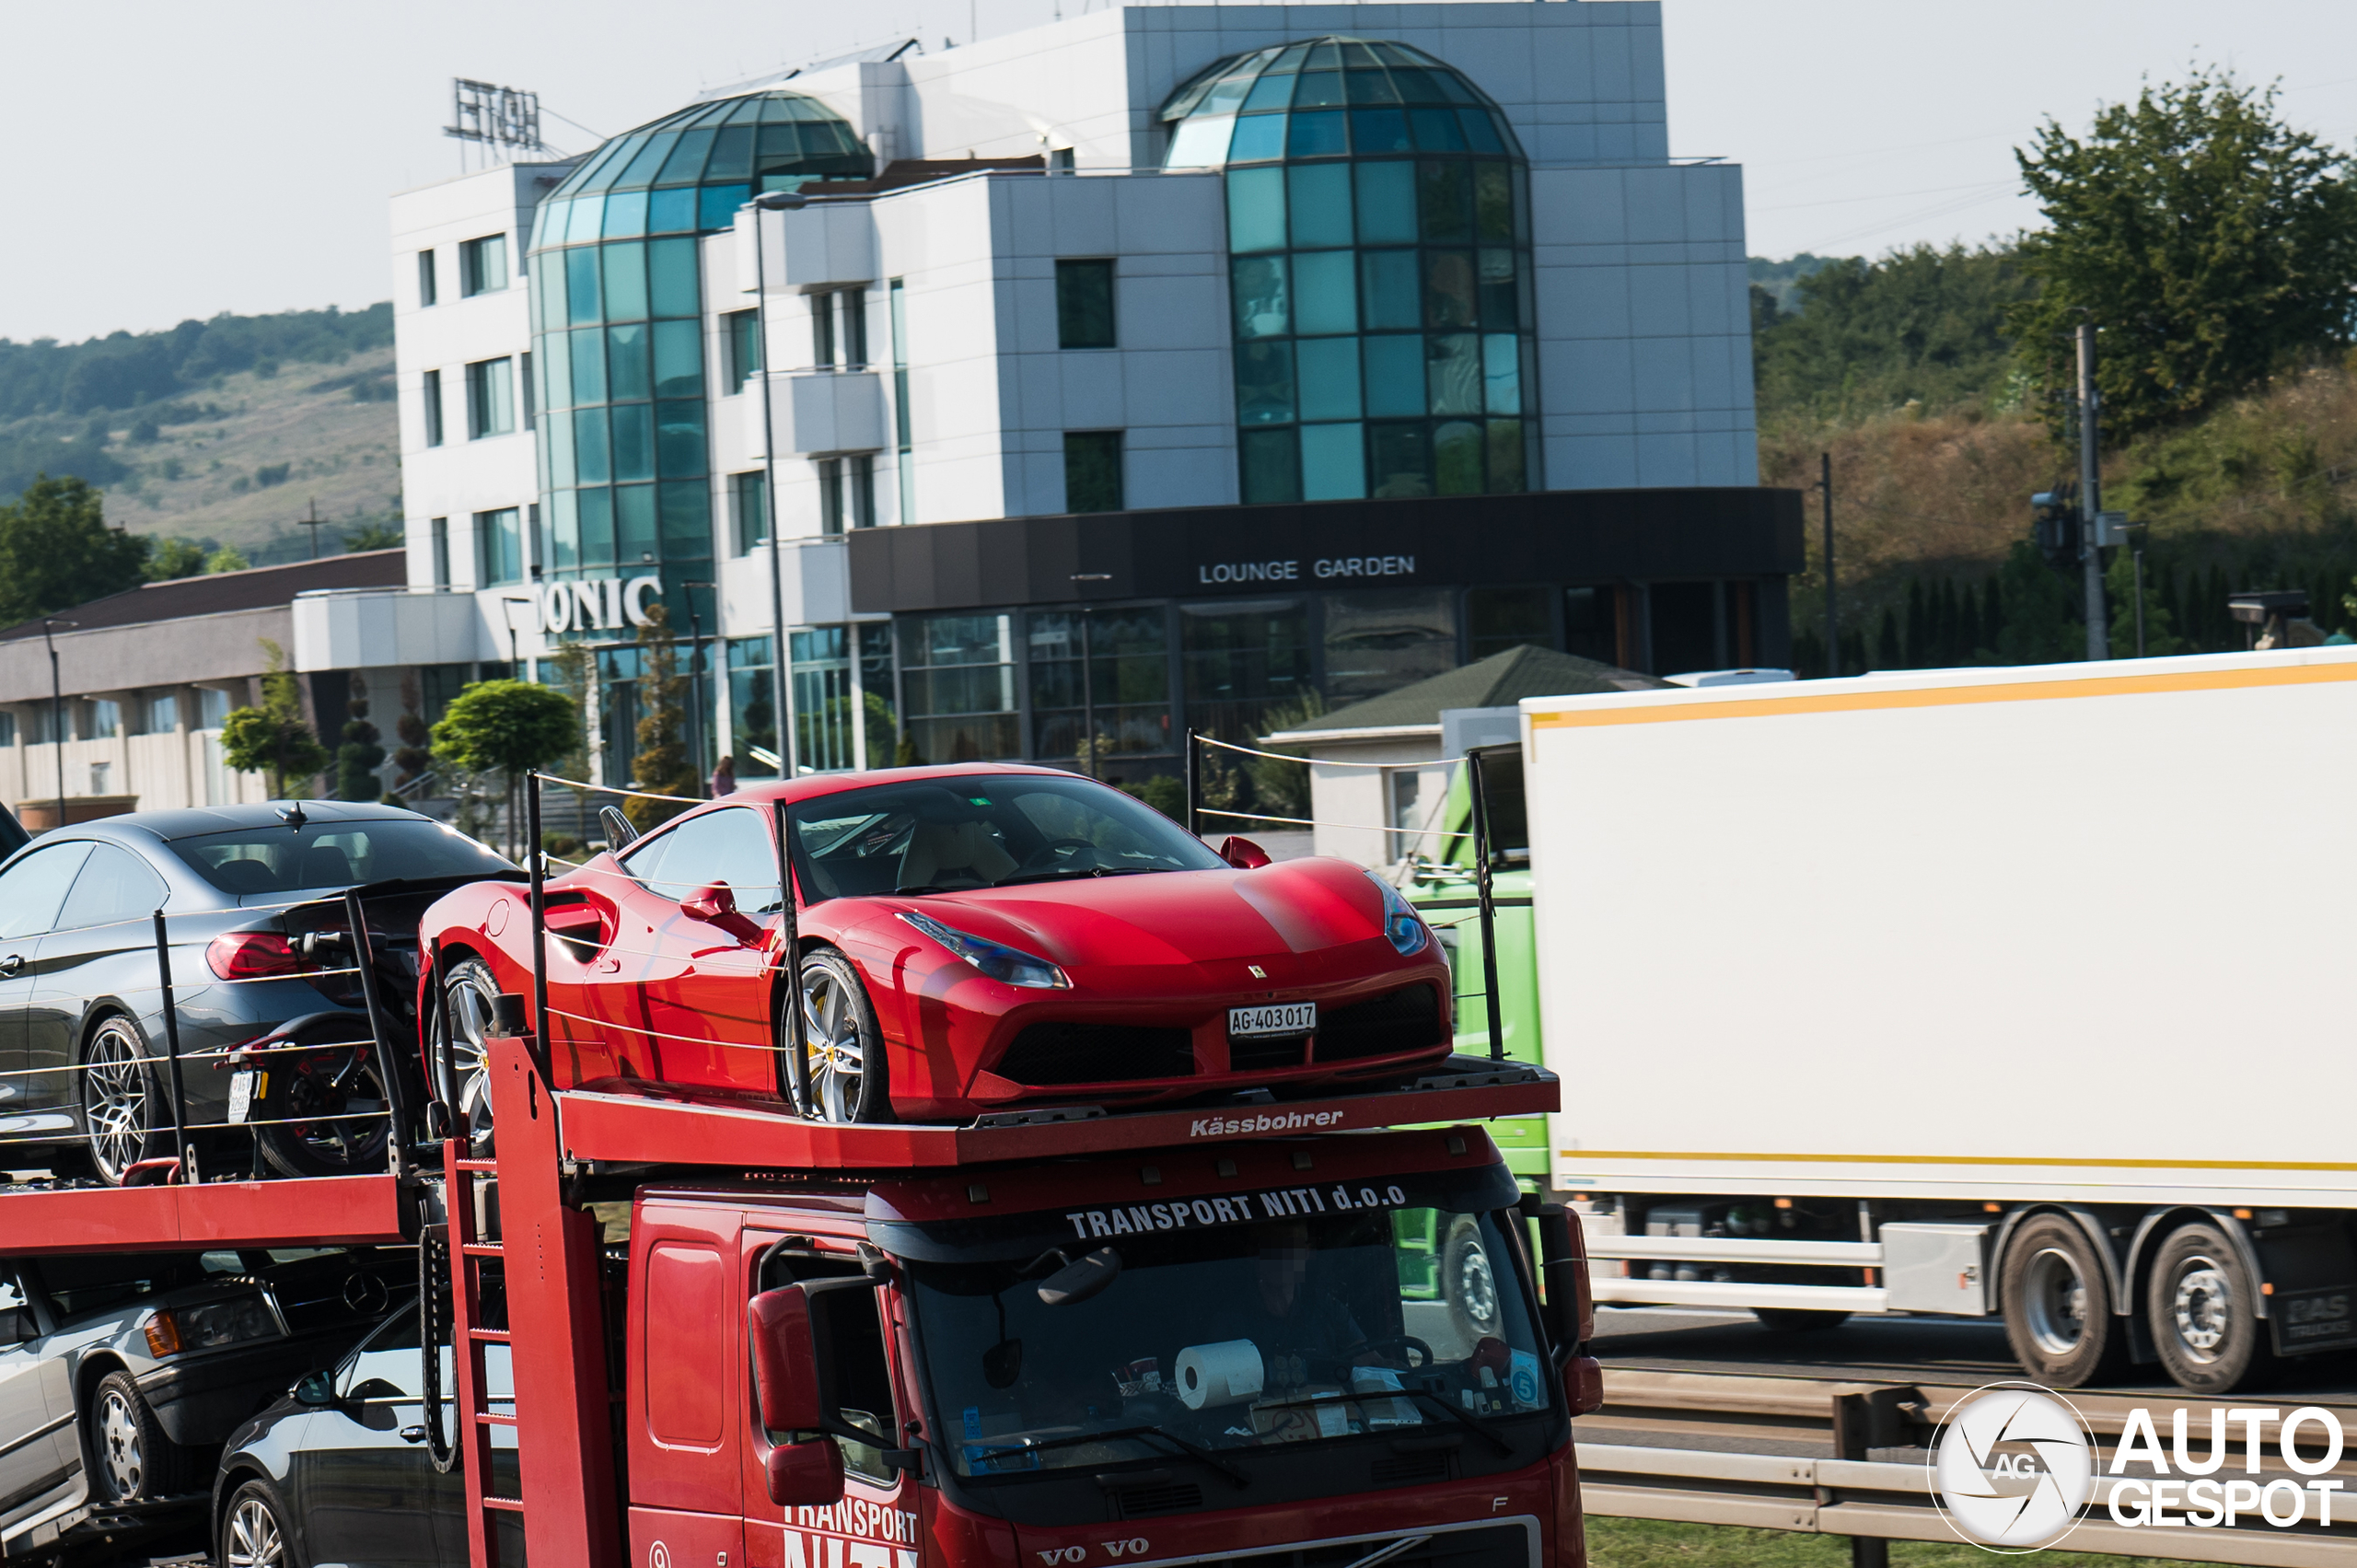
<point x="314" y="522"/>
<point x="1832" y="620"/>
<point x="2090" y="500"/>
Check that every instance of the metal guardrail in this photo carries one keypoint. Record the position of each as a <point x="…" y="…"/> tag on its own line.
<point x="1702" y="1449"/>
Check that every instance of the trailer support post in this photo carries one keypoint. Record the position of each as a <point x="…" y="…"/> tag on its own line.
<point x="796" y="1065"/>
<point x="537" y="864"/>
<point x="1194" y="783"/>
<point x="389" y="1065"/>
<point x="1483" y="891"/>
<point x="171" y="1041"/>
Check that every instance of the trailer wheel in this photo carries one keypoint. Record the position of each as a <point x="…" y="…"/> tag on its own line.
<point x="844" y="1047"/>
<point x="1798" y="1319"/>
<point x="131" y="1460"/>
<point x="2056" y="1294"/>
<point x="254" y="1532"/>
<point x="1467" y="1281"/>
<point x="2201" y="1304"/>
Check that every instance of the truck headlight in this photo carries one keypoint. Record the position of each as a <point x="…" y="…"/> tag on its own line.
<point x="176" y="1329"/>
<point x="1400" y="922"/>
<point x="1008" y="966"/>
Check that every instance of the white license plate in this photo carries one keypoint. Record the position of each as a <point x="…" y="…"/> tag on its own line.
<point x="1277" y="1019"/>
<point x="244" y="1085"/>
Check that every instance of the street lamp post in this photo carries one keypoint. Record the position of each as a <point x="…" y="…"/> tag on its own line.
<point x="57" y="704"/>
<point x="515" y="648"/>
<point x="780" y="679"/>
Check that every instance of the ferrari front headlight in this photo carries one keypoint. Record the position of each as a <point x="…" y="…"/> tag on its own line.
<point x="1008" y="966"/>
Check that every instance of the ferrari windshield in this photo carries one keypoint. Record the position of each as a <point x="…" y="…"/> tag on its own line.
<point x="938" y="835"/>
<point x="1209" y="1327"/>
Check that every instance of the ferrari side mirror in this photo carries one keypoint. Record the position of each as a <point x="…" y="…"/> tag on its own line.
<point x="715" y="904"/>
<point x="1243" y="854"/>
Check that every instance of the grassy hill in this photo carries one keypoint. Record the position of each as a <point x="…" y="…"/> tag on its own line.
<point x="1899" y="368"/>
<point x="224" y="431"/>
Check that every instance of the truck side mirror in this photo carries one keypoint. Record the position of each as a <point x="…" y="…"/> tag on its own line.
<point x="785" y="1360"/>
<point x="804" y="1474"/>
<point x="1571" y="1305"/>
<point x="1243" y="853"/>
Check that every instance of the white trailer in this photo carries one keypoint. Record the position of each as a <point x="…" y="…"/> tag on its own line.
<point x="2021" y="992"/>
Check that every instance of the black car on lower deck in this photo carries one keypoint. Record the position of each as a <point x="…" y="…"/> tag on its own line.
<point x="340" y="1469"/>
<point x="259" y="944"/>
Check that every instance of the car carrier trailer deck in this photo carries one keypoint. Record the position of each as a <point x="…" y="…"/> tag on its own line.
<point x="722" y="1441"/>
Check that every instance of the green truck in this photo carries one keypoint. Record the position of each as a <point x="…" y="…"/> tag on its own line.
<point x="1441" y="884"/>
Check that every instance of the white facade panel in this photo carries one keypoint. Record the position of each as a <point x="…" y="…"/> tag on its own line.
<point x="829" y="411"/>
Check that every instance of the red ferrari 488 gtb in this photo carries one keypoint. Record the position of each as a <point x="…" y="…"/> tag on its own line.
<point x="973" y="938"/>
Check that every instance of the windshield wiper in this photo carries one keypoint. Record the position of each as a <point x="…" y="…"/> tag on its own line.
<point x="1458" y="1416"/>
<point x="1092" y="871"/>
<point x="1192" y="1451"/>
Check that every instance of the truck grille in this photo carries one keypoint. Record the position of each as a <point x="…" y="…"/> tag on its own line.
<point x="1150" y="1501"/>
<point x="1097" y="1054"/>
<point x="1499" y="1546"/>
<point x="1405" y="1019"/>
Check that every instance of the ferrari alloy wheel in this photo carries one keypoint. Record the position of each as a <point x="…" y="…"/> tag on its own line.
<point x="461" y="1056"/>
<point x="122" y="1104"/>
<point x="251" y="1533"/>
<point x="843" y="1053"/>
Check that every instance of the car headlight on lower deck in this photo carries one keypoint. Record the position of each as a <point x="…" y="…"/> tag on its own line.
<point x="1008" y="966"/>
<point x="175" y="1330"/>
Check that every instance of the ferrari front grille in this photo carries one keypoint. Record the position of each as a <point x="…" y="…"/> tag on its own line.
<point x="1097" y="1054"/>
<point x="1405" y="1019"/>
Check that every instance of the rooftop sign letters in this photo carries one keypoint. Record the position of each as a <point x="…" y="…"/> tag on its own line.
<point x="598" y="604"/>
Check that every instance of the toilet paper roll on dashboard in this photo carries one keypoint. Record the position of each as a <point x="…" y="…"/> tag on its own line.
<point x="1228" y="1373"/>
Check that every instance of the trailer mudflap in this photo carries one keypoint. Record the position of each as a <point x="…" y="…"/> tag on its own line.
<point x="2311" y="1284"/>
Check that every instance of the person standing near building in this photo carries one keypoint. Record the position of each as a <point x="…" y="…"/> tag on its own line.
<point x="724" y="777"/>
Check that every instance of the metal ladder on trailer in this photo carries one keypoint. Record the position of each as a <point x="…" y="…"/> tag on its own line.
<point x="468" y="1252"/>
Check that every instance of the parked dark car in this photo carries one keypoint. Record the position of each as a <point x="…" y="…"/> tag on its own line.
<point x="120" y="1374"/>
<point x="340" y="1471"/>
<point x="262" y="951"/>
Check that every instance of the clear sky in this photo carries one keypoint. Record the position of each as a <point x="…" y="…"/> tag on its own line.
<point x="165" y="160"/>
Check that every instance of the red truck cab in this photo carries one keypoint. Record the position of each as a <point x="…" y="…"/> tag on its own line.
<point x="1233" y="1351"/>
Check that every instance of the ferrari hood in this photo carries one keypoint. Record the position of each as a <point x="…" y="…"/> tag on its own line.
<point x="1173" y="917"/>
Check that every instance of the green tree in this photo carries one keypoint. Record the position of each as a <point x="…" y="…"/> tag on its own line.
<point x="2042" y="620"/>
<point x="170" y="557"/>
<point x="358" y="758"/>
<point x="56" y="551"/>
<point x="2120" y="593"/>
<point x="228" y="558"/>
<point x="274" y="739"/>
<point x="510" y="727"/>
<point x="2209" y="241"/>
<point x="1924" y="324"/>
<point x="662" y="762"/>
<point x="375" y="536"/>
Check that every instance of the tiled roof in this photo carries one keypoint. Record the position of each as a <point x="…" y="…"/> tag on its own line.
<point x="1498" y="681"/>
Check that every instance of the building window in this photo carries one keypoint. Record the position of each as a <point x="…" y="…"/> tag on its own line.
<point x="438" y="531"/>
<point x="823" y="331"/>
<point x="905" y="448"/>
<point x="1083" y="305"/>
<point x="433" y="405"/>
<point x="491" y="399"/>
<point x="499" y="547"/>
<point x="1380" y="272"/>
<point x="1407" y="786"/>
<point x="106" y="718"/>
<point x="1591" y="623"/>
<point x="853" y="304"/>
<point x="1499" y="618"/>
<point x="212" y="707"/>
<point x="749" y="509"/>
<point x="1092" y="470"/>
<point x="846" y="493"/>
<point x="753" y="708"/>
<point x="482" y="265"/>
<point x="427" y="293"/>
<point x="839" y="330"/>
<point x="1101" y="672"/>
<point x="7" y="729"/>
<point x="1683" y="627"/>
<point x="823" y="715"/>
<point x="744" y="339"/>
<point x="958" y="685"/>
<point x="163" y="714"/>
<point x="1378" y="640"/>
<point x="879" y="710"/>
<point x="1243" y="658"/>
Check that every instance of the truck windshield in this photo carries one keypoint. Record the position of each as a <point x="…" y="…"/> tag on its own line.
<point x="1233" y="1323"/>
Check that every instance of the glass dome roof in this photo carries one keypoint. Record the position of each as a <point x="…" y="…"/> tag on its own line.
<point x="693" y="169"/>
<point x="1330" y="97"/>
